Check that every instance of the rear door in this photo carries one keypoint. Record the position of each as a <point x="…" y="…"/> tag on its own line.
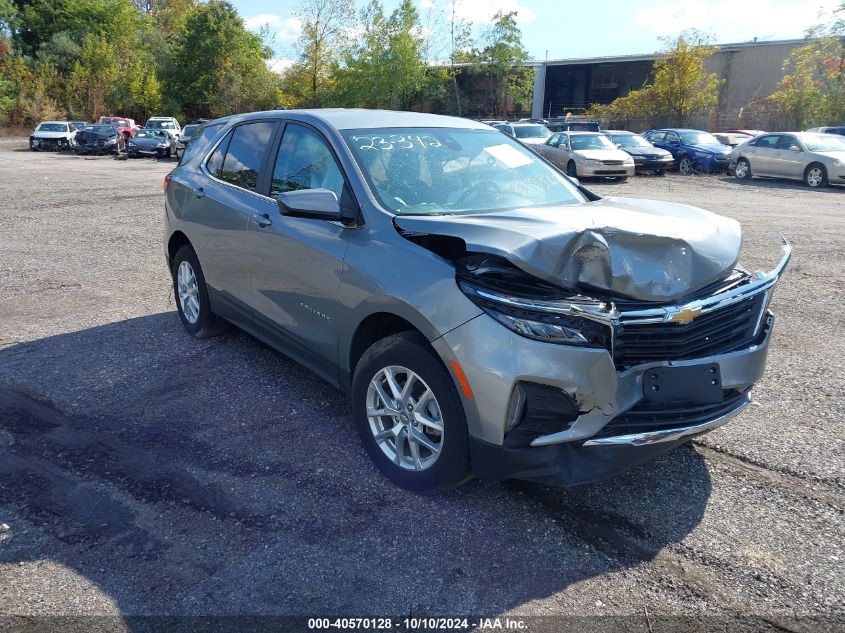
<point x="221" y="200"/>
<point x="296" y="262"/>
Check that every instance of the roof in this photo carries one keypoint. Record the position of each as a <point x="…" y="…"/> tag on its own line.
<point x="618" y="132"/>
<point x="675" y="129"/>
<point x="354" y="118"/>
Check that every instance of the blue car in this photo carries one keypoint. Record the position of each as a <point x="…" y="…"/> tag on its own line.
<point x="693" y="150"/>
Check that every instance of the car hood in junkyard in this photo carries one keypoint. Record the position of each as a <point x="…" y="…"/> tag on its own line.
<point x="713" y="149"/>
<point x="645" y="151"/>
<point x="147" y="142"/>
<point x="639" y="249"/>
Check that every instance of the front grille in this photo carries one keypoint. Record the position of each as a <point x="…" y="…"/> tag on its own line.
<point x="717" y="332"/>
<point x="647" y="416"/>
<point x="613" y="162"/>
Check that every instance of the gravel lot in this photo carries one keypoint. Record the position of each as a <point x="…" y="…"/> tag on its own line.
<point x="142" y="472"/>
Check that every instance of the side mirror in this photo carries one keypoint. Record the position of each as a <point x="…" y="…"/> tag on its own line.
<point x="794" y="148"/>
<point x="320" y="204"/>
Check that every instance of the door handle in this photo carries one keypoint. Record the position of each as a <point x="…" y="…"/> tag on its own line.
<point x="262" y="219"/>
<point x="199" y="192"/>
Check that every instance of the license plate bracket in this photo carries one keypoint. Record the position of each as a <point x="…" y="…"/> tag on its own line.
<point x="696" y="384"/>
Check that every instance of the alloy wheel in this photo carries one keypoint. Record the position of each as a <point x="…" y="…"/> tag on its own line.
<point x="405" y="418"/>
<point x="188" y="290"/>
<point x="741" y="170"/>
<point x="815" y="177"/>
<point x="685" y="167"/>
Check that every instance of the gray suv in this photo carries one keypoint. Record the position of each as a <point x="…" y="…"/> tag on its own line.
<point x="487" y="315"/>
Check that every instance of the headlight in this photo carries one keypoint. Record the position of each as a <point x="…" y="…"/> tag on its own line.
<point x="163" y="144"/>
<point x="701" y="154"/>
<point x="629" y="161"/>
<point x="541" y="325"/>
<point x="838" y="163"/>
<point x="589" y="161"/>
<point x="111" y="141"/>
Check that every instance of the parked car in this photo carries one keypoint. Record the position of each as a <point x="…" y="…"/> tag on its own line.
<point x="52" y="135"/>
<point x="123" y="125"/>
<point x="647" y="157"/>
<point x="80" y="125"/>
<point x="693" y="150"/>
<point x="732" y="139"/>
<point x="184" y="138"/>
<point x="100" y="139"/>
<point x="156" y="143"/>
<point x="575" y="125"/>
<point x="528" y="133"/>
<point x="510" y="324"/>
<point x="166" y="123"/>
<point x="835" y="129"/>
<point x="587" y="155"/>
<point x="817" y="159"/>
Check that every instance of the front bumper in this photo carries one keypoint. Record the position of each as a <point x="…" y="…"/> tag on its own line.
<point x="653" y="164"/>
<point x="604" y="171"/>
<point x="495" y="360"/>
<point x="712" y="163"/>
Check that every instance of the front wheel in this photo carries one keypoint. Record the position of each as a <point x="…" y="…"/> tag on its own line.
<point x="815" y="176"/>
<point x="409" y="415"/>
<point x="571" y="169"/>
<point x="686" y="166"/>
<point x="191" y="292"/>
<point x="742" y="169"/>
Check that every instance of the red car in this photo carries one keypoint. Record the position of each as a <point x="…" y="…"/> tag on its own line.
<point x="124" y="126"/>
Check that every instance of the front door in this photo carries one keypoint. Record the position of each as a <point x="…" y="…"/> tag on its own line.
<point x="297" y="262"/>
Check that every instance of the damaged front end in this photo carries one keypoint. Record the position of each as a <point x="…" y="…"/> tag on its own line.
<point x="588" y="382"/>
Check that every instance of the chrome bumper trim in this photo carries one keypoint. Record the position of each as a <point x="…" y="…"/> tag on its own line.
<point x="667" y="435"/>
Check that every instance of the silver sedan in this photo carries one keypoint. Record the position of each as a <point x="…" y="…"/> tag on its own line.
<point x="817" y="159"/>
<point x="587" y="155"/>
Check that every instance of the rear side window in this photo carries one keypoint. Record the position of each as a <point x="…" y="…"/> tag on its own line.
<point x="245" y="154"/>
<point x="200" y="142"/>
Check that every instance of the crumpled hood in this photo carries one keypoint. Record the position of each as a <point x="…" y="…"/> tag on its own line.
<point x="640" y="249"/>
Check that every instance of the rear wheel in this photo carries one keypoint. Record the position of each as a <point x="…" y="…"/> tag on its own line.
<point x="742" y="169"/>
<point x="191" y="292"/>
<point x="815" y="175"/>
<point x="409" y="415"/>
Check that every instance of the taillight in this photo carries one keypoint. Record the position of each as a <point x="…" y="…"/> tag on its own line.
<point x="166" y="182"/>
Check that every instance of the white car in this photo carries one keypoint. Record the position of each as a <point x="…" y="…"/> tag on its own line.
<point x="165" y="123"/>
<point x="52" y="135"/>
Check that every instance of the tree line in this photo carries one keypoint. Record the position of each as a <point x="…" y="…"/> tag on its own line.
<point x="80" y="59"/>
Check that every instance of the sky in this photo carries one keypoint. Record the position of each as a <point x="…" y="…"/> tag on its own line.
<point x="559" y="29"/>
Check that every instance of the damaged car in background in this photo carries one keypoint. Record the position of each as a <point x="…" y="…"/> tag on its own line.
<point x="53" y="135"/>
<point x="487" y="315"/>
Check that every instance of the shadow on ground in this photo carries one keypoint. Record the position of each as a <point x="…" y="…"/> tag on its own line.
<point x="217" y="477"/>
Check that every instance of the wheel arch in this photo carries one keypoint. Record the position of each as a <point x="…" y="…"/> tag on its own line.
<point x="177" y="240"/>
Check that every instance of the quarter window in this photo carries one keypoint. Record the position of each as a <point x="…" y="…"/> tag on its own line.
<point x="305" y="161"/>
<point x="215" y="161"/>
<point x="245" y="154"/>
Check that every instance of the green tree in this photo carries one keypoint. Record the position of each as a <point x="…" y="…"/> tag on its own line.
<point x="219" y="67"/>
<point x="812" y="91"/>
<point x="502" y="62"/>
<point x="681" y="85"/>
<point x="326" y="26"/>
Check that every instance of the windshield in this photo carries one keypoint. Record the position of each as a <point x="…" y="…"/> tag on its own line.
<point x="823" y="143"/>
<point x="590" y="141"/>
<point x="51" y="127"/>
<point x="698" y="138"/>
<point x="532" y="131"/>
<point x="454" y="170"/>
<point x="149" y="134"/>
<point x="160" y="125"/>
<point x="630" y="140"/>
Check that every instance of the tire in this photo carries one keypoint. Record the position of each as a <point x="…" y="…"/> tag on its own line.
<point x="571" y="169"/>
<point x="409" y="351"/>
<point x="622" y="179"/>
<point x="167" y="153"/>
<point x="686" y="166"/>
<point x="201" y="322"/>
<point x="659" y="172"/>
<point x="742" y="169"/>
<point x="815" y="175"/>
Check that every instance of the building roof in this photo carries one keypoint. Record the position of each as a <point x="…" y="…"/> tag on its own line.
<point x="652" y="56"/>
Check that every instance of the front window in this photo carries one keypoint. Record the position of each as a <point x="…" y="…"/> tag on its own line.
<point x="698" y="138"/>
<point x="51" y="127"/>
<point x="532" y="131"/>
<point x="590" y="141"/>
<point x="455" y="170"/>
<point x="630" y="140"/>
<point x="823" y="143"/>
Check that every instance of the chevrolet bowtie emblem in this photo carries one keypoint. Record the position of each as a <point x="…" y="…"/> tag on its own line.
<point x="684" y="315"/>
